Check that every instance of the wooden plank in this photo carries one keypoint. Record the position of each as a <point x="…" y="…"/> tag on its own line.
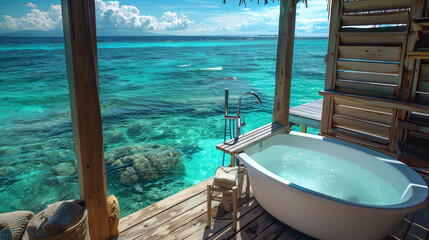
<point x="400" y="30"/>
<point x="366" y="140"/>
<point x="378" y="53"/>
<point x="363" y="114"/>
<point x="255" y="227"/>
<point x="196" y="229"/>
<point x="416" y="232"/>
<point x="422" y="98"/>
<point x="361" y="126"/>
<point x="391" y="68"/>
<point x="360" y="6"/>
<point x="242" y="222"/>
<point x="284" y="61"/>
<point x="175" y="223"/>
<point x="293" y="234"/>
<point x="365" y="88"/>
<point x="400" y="230"/>
<point x="82" y="72"/>
<point x="158" y="207"/>
<point x="272" y="232"/>
<point x="351" y="103"/>
<point x="371" y="39"/>
<point x="423" y="86"/>
<point x="311" y="110"/>
<point x="375" y="19"/>
<point x="381" y="102"/>
<point x="418" y="54"/>
<point x="424" y="72"/>
<point x="157" y="220"/>
<point x="420" y="226"/>
<point x="369" y="77"/>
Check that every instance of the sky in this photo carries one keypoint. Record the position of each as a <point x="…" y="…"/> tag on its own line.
<point x="167" y="17"/>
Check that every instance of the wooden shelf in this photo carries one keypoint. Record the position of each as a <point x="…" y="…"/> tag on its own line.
<point x="235" y="146"/>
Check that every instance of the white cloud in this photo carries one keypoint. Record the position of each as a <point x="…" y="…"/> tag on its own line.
<point x="110" y="15"/>
<point x="35" y="20"/>
<point x="31" y="5"/>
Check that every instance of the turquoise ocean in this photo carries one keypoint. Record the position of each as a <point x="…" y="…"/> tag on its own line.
<point x="162" y="98"/>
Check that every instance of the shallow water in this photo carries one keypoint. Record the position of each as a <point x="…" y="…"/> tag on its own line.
<point x="167" y="91"/>
<point x="328" y="175"/>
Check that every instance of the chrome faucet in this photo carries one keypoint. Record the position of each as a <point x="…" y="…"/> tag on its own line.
<point x="237" y="117"/>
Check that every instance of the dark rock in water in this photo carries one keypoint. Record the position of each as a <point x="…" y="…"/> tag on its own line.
<point x="117" y="163"/>
<point x="148" y="161"/>
<point x="6" y="171"/>
<point x="64" y="169"/>
<point x="129" y="176"/>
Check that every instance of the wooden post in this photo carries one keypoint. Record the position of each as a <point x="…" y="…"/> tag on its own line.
<point x="331" y="67"/>
<point x="284" y="61"/>
<point x="81" y="57"/>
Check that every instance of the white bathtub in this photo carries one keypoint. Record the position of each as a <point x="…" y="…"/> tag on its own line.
<point x="326" y="217"/>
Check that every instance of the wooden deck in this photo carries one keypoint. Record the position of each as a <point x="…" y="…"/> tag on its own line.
<point x="183" y="216"/>
<point x="309" y="114"/>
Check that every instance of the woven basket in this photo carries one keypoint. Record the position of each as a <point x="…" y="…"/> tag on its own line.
<point x="79" y="231"/>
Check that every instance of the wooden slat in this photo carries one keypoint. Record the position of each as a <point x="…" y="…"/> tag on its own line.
<point x="364" y="114"/>
<point x="400" y="30"/>
<point x="371" y="39"/>
<point x="196" y="229"/>
<point x="242" y="222"/>
<point x="369" y="77"/>
<point x="155" y="221"/>
<point x="381" y="102"/>
<point x="358" y="125"/>
<point x="423" y="86"/>
<point x="379" y="53"/>
<point x="352" y="103"/>
<point x="375" y="19"/>
<point x="424" y="72"/>
<point x="255" y="227"/>
<point x="367" y="140"/>
<point x="158" y="207"/>
<point x="365" y="88"/>
<point x="422" y="98"/>
<point x="247" y="142"/>
<point x="401" y="229"/>
<point x="371" y="5"/>
<point x="391" y="68"/>
<point x="283" y="75"/>
<point x="418" y="54"/>
<point x="273" y="231"/>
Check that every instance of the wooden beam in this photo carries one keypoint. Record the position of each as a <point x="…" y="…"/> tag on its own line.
<point x="284" y="61"/>
<point x="81" y="58"/>
<point x="331" y="67"/>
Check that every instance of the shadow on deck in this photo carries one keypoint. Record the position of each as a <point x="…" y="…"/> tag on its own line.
<point x="183" y="216"/>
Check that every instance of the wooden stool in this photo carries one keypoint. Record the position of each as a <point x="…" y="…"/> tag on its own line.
<point x="229" y="182"/>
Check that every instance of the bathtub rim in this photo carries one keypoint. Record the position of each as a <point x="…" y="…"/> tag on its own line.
<point x="405" y="206"/>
